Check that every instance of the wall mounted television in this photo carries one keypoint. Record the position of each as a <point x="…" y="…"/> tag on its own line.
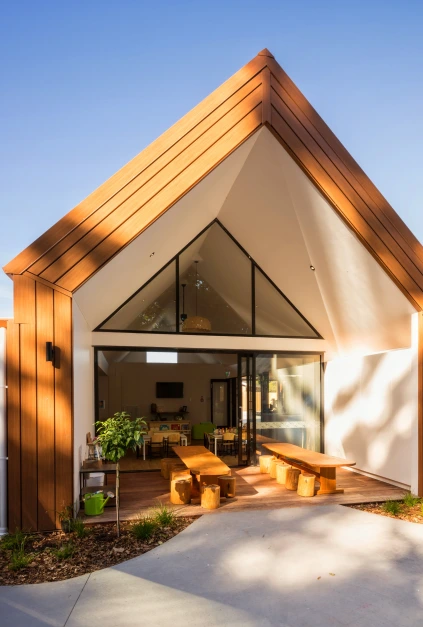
<point x="169" y="389"/>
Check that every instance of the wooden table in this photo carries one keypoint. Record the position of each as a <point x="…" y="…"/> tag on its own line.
<point x="322" y="466"/>
<point x="199" y="458"/>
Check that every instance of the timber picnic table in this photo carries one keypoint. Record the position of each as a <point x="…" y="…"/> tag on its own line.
<point x="322" y="466"/>
<point x="201" y="459"/>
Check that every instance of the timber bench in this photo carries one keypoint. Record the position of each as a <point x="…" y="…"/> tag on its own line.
<point x="323" y="467"/>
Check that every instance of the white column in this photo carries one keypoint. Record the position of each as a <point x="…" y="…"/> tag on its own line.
<point x="3" y="444"/>
<point x="414" y="459"/>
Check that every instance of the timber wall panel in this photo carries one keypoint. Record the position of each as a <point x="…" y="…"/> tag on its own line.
<point x="342" y="176"/>
<point x="106" y="191"/>
<point x="28" y="370"/>
<point x="315" y="123"/>
<point x="45" y="409"/>
<point x="39" y="407"/>
<point x="63" y="400"/>
<point x="356" y="186"/>
<point x="173" y="181"/>
<point x="13" y="425"/>
<point x="90" y="235"/>
<point x="138" y="222"/>
<point x="331" y="190"/>
<point x="145" y="176"/>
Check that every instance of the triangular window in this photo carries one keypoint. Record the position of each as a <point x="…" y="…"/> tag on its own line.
<point x="212" y="286"/>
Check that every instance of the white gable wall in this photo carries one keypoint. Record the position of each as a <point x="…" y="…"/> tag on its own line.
<point x="269" y="205"/>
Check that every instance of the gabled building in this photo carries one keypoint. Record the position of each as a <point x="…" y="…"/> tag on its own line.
<point x="246" y="228"/>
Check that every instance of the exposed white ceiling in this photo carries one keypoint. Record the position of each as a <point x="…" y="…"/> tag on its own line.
<point x="274" y="211"/>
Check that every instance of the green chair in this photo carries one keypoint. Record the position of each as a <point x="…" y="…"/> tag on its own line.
<point x="200" y="429"/>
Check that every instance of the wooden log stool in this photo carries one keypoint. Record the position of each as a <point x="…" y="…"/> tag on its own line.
<point x="306" y="484"/>
<point x="274" y="462"/>
<point x="180" y="491"/>
<point x="292" y="475"/>
<point x="206" y="480"/>
<point x="195" y="483"/>
<point x="163" y="466"/>
<point x="265" y="463"/>
<point x="170" y="463"/>
<point x="179" y="471"/>
<point x="227" y="486"/>
<point x="210" y="496"/>
<point x="281" y="470"/>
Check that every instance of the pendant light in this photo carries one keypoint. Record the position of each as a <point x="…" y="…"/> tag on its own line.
<point x="196" y="324"/>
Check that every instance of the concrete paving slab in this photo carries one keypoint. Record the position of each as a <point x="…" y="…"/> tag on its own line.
<point x="299" y="567"/>
<point x="292" y="568"/>
<point x="39" y="605"/>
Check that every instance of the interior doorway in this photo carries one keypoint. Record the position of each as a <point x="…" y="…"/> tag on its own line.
<point x="223" y="393"/>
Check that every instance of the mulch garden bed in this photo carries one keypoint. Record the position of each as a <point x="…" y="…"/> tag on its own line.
<point x="412" y="512"/>
<point x="57" y="555"/>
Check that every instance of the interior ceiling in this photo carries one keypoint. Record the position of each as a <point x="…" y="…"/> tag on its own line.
<point x="274" y="211"/>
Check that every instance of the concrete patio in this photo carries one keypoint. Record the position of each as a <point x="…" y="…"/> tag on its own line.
<point x="296" y="567"/>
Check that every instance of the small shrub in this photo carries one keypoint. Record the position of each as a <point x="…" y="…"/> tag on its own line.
<point x="143" y="528"/>
<point x="19" y="559"/>
<point x="410" y="500"/>
<point x="79" y="528"/>
<point x="391" y="507"/>
<point x="163" y="516"/>
<point x="13" y="541"/>
<point x="65" y="551"/>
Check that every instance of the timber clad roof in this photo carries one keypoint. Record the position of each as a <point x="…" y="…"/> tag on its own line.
<point x="72" y="250"/>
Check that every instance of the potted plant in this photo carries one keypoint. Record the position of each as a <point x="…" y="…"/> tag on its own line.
<point x="116" y="435"/>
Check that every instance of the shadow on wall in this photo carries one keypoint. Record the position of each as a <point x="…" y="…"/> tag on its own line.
<point x="371" y="409"/>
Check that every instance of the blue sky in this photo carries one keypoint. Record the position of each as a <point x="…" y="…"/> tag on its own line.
<point x="86" y="85"/>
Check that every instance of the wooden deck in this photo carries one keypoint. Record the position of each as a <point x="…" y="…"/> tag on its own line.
<point x="142" y="490"/>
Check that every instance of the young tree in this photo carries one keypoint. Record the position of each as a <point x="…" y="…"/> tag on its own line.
<point x="116" y="435"/>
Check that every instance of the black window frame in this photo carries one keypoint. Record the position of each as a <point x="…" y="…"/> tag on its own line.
<point x="175" y="259"/>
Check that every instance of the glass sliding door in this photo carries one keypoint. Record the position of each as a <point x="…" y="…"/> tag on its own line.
<point x="247" y="410"/>
<point x="288" y="400"/>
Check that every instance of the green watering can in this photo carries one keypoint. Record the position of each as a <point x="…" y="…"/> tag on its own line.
<point x="94" y="503"/>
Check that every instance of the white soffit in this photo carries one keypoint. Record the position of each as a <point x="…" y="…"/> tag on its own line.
<point x="286" y="225"/>
<point x="135" y="264"/>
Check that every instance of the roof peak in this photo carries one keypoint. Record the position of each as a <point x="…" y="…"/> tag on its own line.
<point x="265" y="53"/>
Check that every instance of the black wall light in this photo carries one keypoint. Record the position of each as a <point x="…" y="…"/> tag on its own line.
<point x="49" y="351"/>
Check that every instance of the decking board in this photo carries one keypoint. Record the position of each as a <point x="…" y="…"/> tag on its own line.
<point x="255" y="491"/>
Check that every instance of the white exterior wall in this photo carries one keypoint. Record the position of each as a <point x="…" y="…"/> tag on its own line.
<point x="371" y="407"/>
<point x="83" y="390"/>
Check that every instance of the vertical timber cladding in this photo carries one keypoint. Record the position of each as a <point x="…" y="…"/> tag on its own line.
<point x="39" y="406"/>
